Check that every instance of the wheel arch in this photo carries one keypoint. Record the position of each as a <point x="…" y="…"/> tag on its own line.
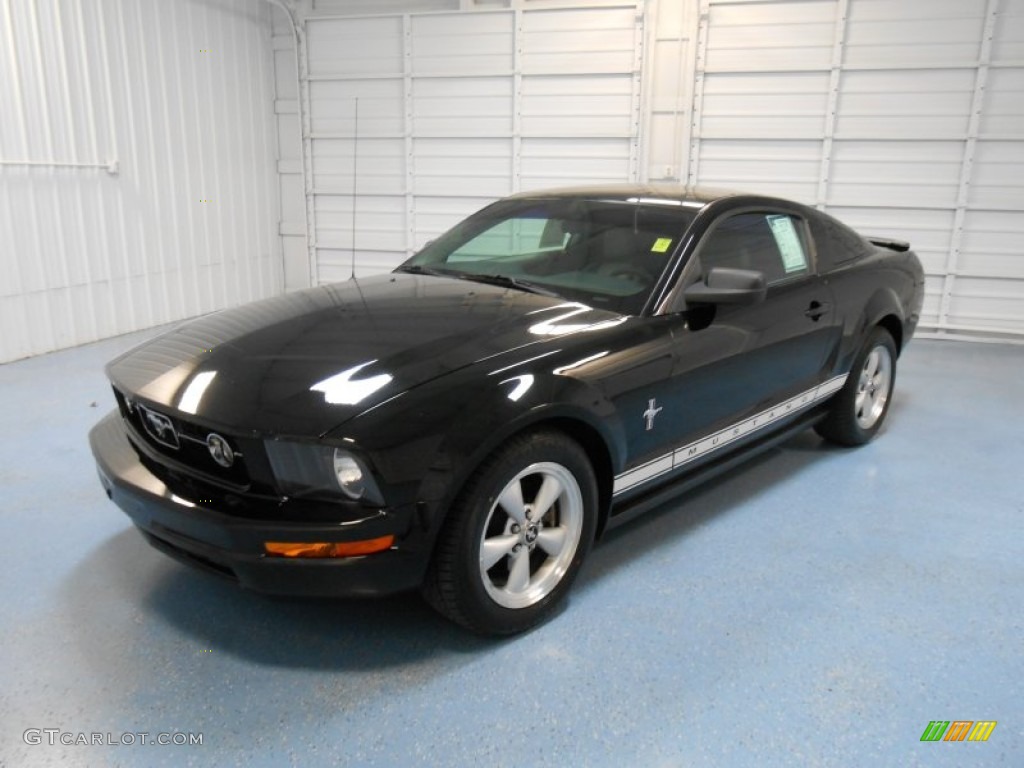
<point x="593" y="444"/>
<point x="894" y="326"/>
<point x="578" y="426"/>
<point x="883" y="310"/>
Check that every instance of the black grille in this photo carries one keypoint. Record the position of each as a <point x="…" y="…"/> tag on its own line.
<point x="184" y="442"/>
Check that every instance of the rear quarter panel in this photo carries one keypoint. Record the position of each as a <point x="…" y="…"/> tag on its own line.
<point x="871" y="286"/>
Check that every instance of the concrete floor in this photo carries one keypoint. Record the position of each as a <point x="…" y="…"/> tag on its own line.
<point x="818" y="607"/>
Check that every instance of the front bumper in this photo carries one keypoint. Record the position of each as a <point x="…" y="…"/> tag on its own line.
<point x="231" y="545"/>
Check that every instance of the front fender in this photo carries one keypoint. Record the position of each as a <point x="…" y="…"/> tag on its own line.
<point x="494" y="416"/>
<point x="427" y="442"/>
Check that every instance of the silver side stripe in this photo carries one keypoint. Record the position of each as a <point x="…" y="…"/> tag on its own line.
<point x="688" y="453"/>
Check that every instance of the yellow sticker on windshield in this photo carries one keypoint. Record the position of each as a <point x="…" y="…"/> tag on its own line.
<point x="661" y="245"/>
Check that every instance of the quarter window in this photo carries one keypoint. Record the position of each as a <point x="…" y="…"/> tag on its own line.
<point x="770" y="243"/>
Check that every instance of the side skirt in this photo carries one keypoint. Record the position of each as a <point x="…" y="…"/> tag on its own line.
<point x="627" y="510"/>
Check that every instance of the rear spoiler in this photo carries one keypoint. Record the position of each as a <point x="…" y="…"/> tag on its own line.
<point x="892" y="245"/>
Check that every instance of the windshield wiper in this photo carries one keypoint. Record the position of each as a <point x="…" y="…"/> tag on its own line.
<point x="509" y="282"/>
<point x="419" y="269"/>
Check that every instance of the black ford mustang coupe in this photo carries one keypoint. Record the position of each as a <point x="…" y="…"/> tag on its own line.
<point x="469" y="423"/>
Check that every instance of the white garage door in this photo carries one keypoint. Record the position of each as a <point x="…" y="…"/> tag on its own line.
<point x="903" y="118"/>
<point x="455" y="110"/>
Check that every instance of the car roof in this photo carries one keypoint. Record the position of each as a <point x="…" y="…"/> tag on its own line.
<point x="654" y="192"/>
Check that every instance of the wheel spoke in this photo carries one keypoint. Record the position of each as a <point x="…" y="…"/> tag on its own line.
<point x="551" y="540"/>
<point x="519" y="573"/>
<point x="871" y="365"/>
<point x="495" y="548"/>
<point x="548" y="494"/>
<point x="511" y="500"/>
<point x="859" y="402"/>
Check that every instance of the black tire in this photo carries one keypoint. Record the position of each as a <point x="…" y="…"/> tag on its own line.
<point x="860" y="407"/>
<point x="497" y="506"/>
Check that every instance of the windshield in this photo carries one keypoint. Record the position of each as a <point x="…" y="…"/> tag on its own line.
<point x="604" y="253"/>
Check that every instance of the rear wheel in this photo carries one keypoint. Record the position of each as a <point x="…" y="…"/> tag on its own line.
<point x="516" y="537"/>
<point x="860" y="407"/>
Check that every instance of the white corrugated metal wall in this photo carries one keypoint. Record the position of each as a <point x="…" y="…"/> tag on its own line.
<point x="454" y="110"/>
<point x="902" y="118"/>
<point x="136" y="166"/>
<point x="137" y="147"/>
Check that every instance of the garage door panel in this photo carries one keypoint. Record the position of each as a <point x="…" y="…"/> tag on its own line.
<point x="550" y="162"/>
<point x="462" y="106"/>
<point x="988" y="303"/>
<point x="1003" y="113"/>
<point x="355" y="46"/>
<point x="993" y="244"/>
<point x="998" y="175"/>
<point x="380" y="107"/>
<point x="459" y="108"/>
<point x="770" y="36"/>
<point x="910" y="104"/>
<point x="336" y="264"/>
<point x="887" y="172"/>
<point x="335" y="210"/>
<point x="1008" y="42"/>
<point x="368" y="238"/>
<point x="380" y="166"/>
<point x="458" y="43"/>
<point x="909" y="33"/>
<point x="915" y="117"/>
<point x="791" y="165"/>
<point x="473" y="167"/>
<point x="788" y="93"/>
<point x="578" y="41"/>
<point x="580" y="105"/>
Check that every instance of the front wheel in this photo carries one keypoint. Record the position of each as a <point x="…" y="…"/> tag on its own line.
<point x="860" y="407"/>
<point x="516" y="537"/>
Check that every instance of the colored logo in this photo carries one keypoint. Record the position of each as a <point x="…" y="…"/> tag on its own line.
<point x="959" y="730"/>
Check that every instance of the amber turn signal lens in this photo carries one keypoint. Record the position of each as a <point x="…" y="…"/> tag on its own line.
<point x="328" y="548"/>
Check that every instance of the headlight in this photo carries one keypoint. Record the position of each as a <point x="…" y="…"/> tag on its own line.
<point x="349" y="474"/>
<point x="305" y="469"/>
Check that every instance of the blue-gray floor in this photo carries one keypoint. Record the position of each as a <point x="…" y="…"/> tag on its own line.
<point x="818" y="607"/>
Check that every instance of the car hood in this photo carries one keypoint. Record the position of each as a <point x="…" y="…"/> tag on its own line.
<point x="306" y="362"/>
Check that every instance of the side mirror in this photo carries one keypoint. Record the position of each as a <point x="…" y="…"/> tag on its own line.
<point x="728" y="286"/>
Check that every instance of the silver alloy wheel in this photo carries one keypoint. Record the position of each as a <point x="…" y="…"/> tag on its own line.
<point x="874" y="387"/>
<point x="531" y="535"/>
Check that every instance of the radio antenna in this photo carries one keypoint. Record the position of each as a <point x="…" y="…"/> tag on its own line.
<point x="355" y="160"/>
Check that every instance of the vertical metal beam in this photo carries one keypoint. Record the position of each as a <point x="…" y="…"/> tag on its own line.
<point x="689" y="29"/>
<point x="697" y="110"/>
<point x="835" y="74"/>
<point x="634" y="118"/>
<point x="967" y="166"/>
<point x="647" y="88"/>
<point x="128" y="298"/>
<point x="306" y="127"/>
<point x="298" y="20"/>
<point x="407" y="98"/>
<point x="517" y="100"/>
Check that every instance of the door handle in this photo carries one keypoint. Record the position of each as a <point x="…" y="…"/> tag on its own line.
<point x="816" y="310"/>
